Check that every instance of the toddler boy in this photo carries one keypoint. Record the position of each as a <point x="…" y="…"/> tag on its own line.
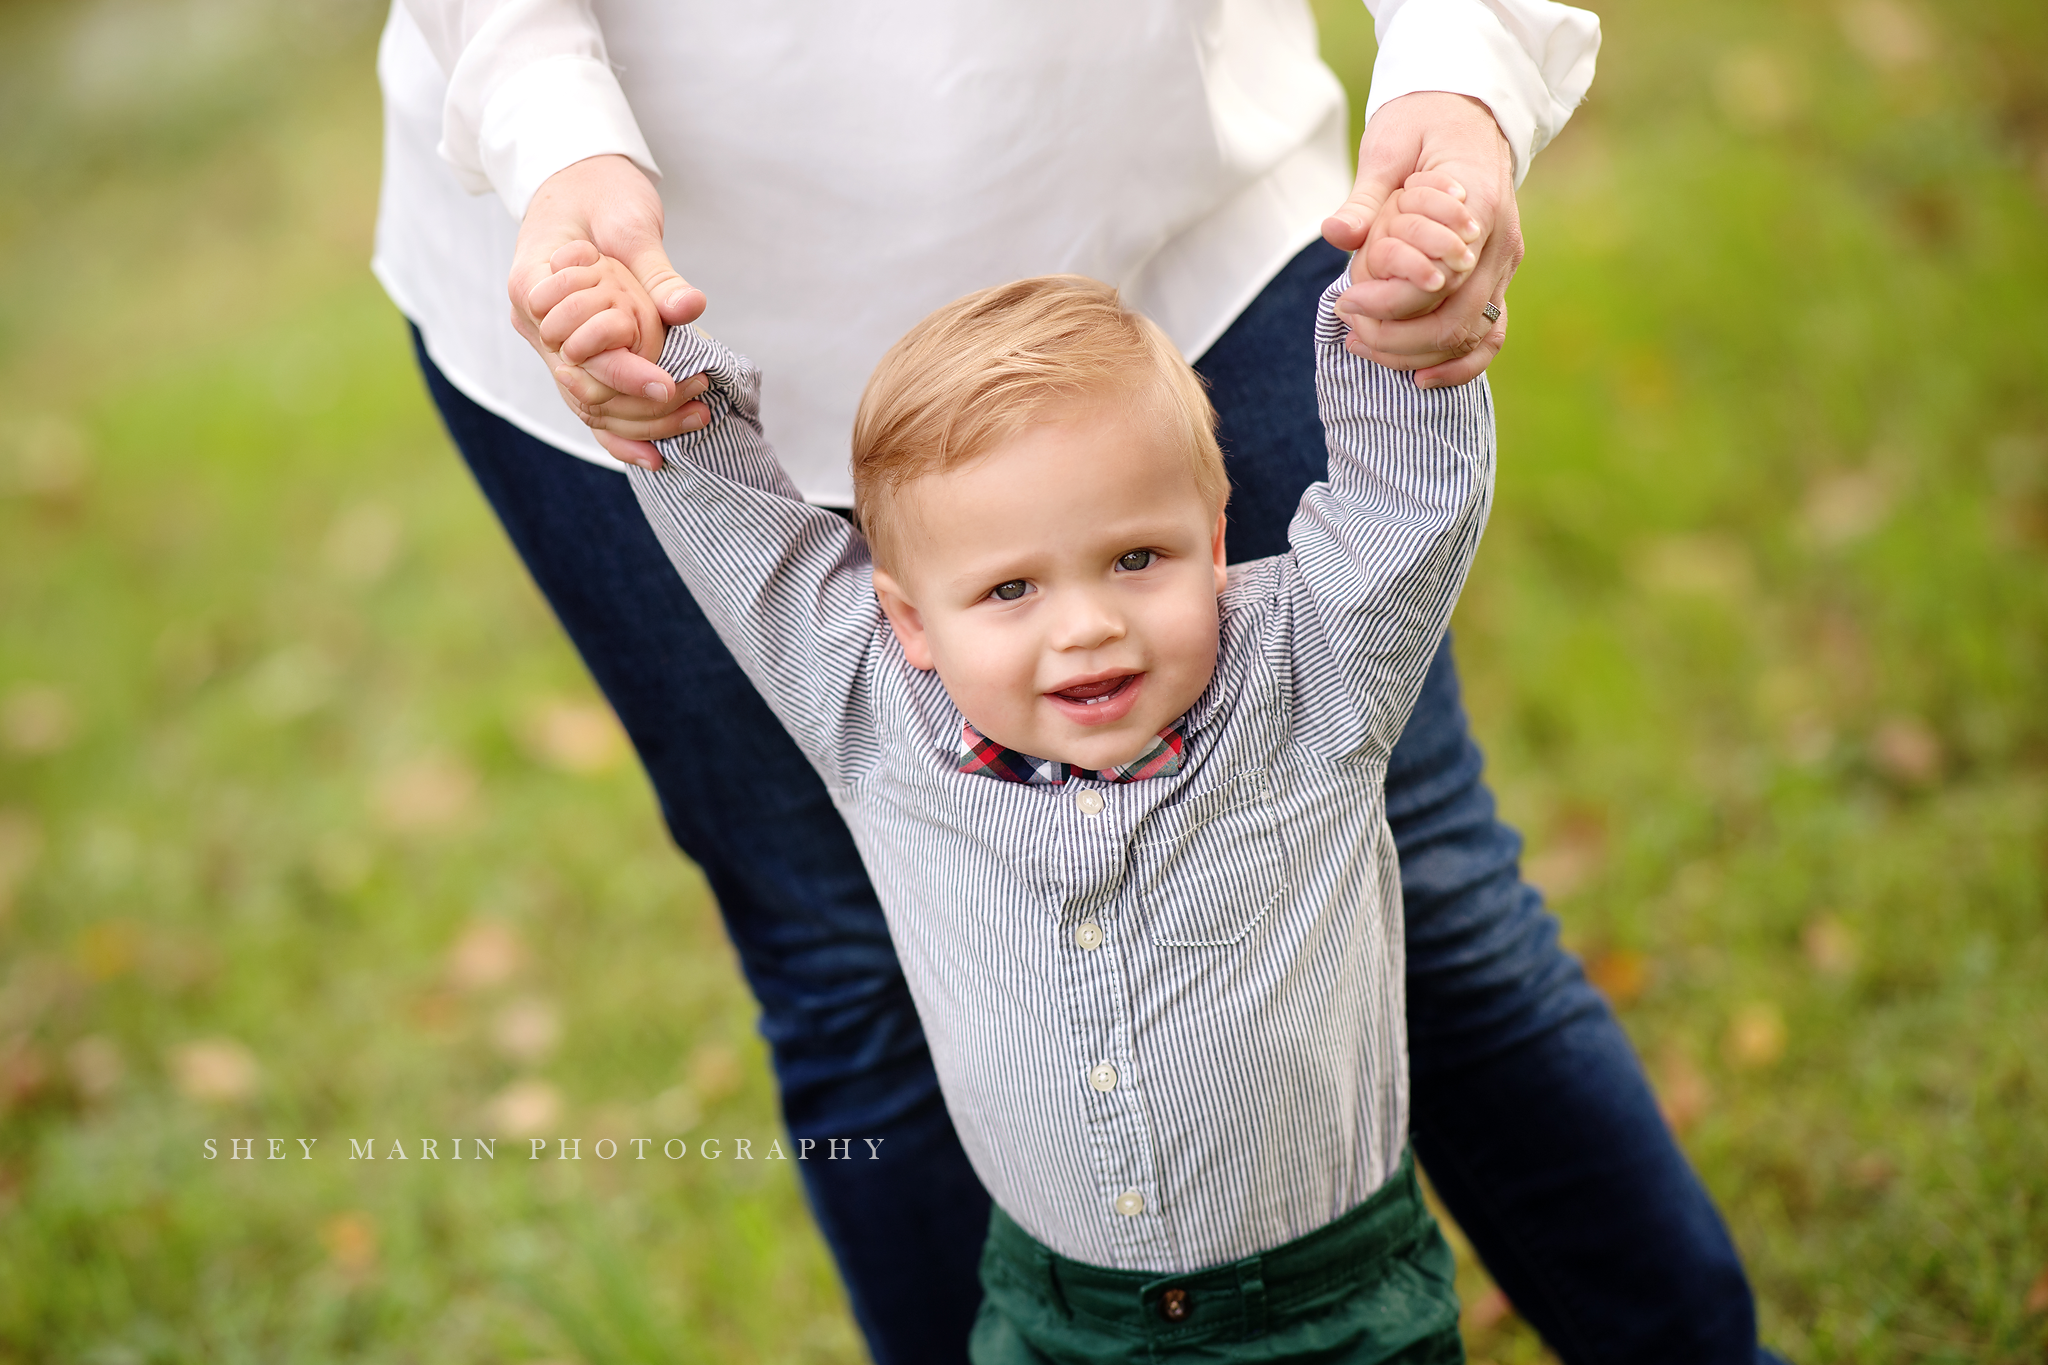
<point x="1122" y="805"/>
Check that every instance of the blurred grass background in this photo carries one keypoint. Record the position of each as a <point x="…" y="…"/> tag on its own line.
<point x="310" y="824"/>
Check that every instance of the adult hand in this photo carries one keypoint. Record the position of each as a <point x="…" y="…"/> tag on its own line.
<point x="1457" y="136"/>
<point x="625" y="398"/>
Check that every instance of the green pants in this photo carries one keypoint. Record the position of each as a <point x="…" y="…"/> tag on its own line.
<point x="1373" y="1286"/>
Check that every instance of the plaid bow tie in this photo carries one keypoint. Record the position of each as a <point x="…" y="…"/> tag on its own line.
<point x="980" y="754"/>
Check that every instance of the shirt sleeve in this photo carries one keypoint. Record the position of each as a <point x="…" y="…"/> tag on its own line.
<point x="1529" y="61"/>
<point x="1380" y="550"/>
<point x="788" y="586"/>
<point x="530" y="90"/>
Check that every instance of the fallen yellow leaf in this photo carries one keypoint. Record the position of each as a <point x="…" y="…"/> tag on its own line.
<point x="1683" y="1093"/>
<point x="37" y="719"/>
<point x="351" y="1243"/>
<point x="1830" y="946"/>
<point x="489" y="953"/>
<point x="428" y="794"/>
<point x="527" y="1030"/>
<point x="220" y="1070"/>
<point x="525" y="1108"/>
<point x="715" y="1071"/>
<point x="1620" y="974"/>
<point x="1906" y="751"/>
<point x="1756" y="1035"/>
<point x="96" y="1067"/>
<point x="574" y="737"/>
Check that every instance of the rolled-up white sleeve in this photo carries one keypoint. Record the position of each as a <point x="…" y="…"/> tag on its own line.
<point x="1529" y="61"/>
<point x="530" y="90"/>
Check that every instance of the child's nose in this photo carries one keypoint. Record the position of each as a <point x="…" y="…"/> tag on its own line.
<point x="1088" y="623"/>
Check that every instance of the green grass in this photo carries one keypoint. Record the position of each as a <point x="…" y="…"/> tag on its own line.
<point x="1758" y="645"/>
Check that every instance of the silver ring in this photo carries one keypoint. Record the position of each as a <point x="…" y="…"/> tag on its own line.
<point x="1492" y="311"/>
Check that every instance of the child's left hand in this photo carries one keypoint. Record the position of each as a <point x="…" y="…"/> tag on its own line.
<point x="1420" y="246"/>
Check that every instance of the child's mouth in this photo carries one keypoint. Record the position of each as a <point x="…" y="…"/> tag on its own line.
<point x="1090" y="694"/>
<point x="1100" y="701"/>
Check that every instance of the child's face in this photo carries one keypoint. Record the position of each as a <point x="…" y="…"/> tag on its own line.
<point x="1064" y="585"/>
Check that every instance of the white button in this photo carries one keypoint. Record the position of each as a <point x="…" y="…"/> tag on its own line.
<point x="1130" y="1203"/>
<point x="1090" y="801"/>
<point x="1088" y="934"/>
<point x="1103" y="1077"/>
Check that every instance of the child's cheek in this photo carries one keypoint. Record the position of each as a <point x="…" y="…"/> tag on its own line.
<point x="991" y="671"/>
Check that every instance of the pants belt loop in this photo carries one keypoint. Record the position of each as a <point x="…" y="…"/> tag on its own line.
<point x="1251" y="1289"/>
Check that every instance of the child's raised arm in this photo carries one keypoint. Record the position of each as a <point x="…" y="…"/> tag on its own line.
<point x="788" y="586"/>
<point x="1381" y="549"/>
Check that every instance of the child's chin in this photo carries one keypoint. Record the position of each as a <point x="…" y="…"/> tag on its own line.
<point x="1102" y="752"/>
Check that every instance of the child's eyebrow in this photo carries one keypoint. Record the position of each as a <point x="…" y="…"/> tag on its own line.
<point x="977" y="580"/>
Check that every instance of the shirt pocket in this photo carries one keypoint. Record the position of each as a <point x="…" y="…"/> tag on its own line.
<point x="1209" y="869"/>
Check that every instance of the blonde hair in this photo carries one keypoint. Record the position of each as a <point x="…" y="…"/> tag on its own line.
<point x="981" y="368"/>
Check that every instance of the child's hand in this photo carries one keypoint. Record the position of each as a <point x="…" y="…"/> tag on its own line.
<point x="592" y="304"/>
<point x="1420" y="246"/>
<point x="596" y="316"/>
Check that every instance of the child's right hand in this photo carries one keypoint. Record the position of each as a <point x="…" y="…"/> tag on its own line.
<point x="1420" y="246"/>
<point x="592" y="304"/>
<point x="608" y="333"/>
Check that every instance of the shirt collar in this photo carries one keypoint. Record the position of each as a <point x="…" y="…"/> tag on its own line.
<point x="980" y="754"/>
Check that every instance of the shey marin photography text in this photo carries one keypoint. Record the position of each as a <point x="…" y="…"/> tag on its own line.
<point x="545" y="1149"/>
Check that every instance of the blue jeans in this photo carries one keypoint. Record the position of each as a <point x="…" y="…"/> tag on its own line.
<point x="1530" y="1111"/>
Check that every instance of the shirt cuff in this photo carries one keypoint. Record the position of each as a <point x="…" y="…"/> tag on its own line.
<point x="547" y="115"/>
<point x="1530" y="64"/>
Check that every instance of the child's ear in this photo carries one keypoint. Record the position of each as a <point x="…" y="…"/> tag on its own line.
<point x="1220" y="553"/>
<point x="904" y="620"/>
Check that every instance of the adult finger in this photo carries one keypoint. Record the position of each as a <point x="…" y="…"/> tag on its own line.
<point x="1387" y="155"/>
<point x="675" y="297"/>
<point x="1371" y="303"/>
<point x="1470" y="365"/>
<point x="596" y="404"/>
<point x="1457" y="329"/>
<point x="1366" y="337"/>
<point x="641" y="453"/>
<point x="626" y="371"/>
<point x="581" y="389"/>
<point x="576" y="253"/>
<point x="689" y="417"/>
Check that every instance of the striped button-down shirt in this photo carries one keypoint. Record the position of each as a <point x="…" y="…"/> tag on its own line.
<point x="1167" y="1014"/>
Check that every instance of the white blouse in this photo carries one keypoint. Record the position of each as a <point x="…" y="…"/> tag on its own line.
<point x="832" y="173"/>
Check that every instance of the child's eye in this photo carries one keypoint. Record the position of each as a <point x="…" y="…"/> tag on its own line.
<point x="1136" y="560"/>
<point x="1010" y="591"/>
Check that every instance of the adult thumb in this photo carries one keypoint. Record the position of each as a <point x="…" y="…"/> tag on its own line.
<point x="674" y="297"/>
<point x="1346" y="229"/>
